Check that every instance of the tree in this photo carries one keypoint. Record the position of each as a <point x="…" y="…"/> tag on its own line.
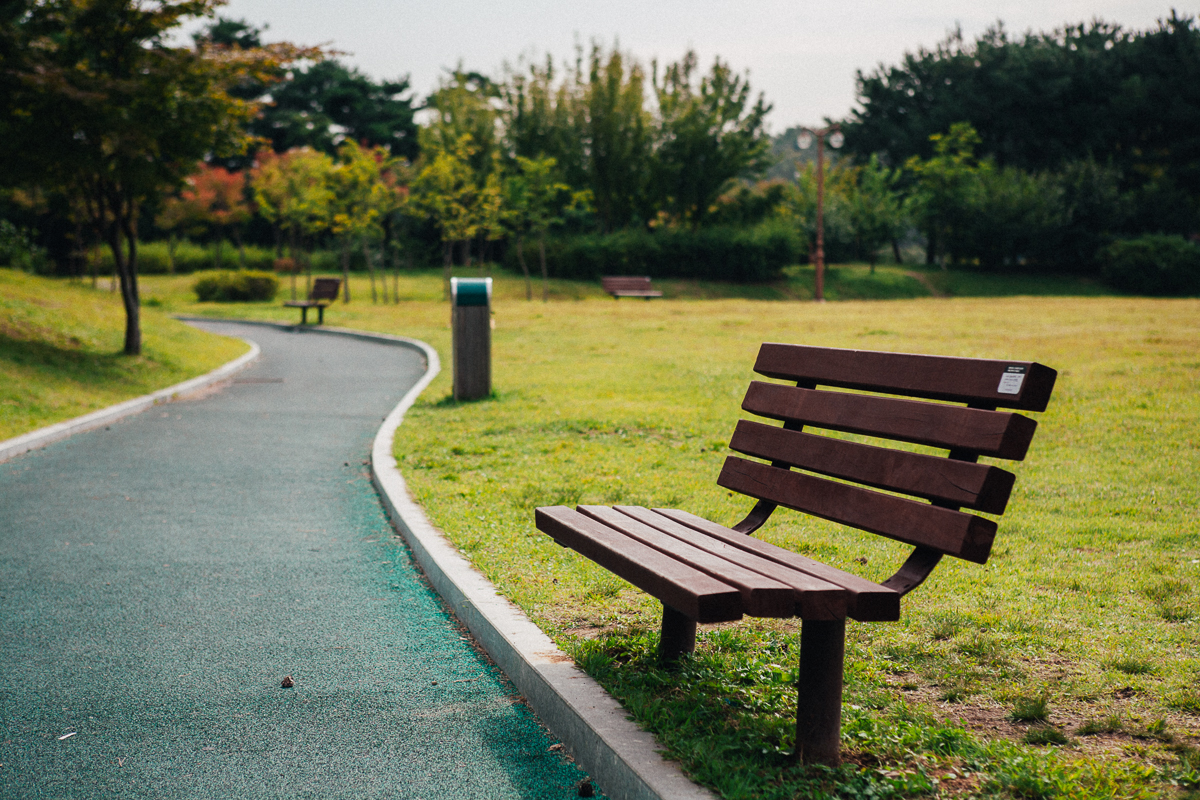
<point x="217" y="198"/>
<point x="946" y="190"/>
<point x="360" y="198"/>
<point x="444" y="189"/>
<point x="876" y="209"/>
<point x="328" y="103"/>
<point x="100" y="105"/>
<point x="291" y="191"/>
<point x="707" y="137"/>
<point x="534" y="200"/>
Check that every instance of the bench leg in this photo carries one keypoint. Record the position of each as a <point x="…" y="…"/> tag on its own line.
<point x="819" y="710"/>
<point x="303" y="315"/>
<point x="320" y="315"/>
<point x="678" y="635"/>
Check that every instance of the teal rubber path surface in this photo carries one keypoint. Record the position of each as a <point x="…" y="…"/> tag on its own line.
<point x="159" y="578"/>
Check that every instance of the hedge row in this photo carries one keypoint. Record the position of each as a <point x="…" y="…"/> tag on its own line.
<point x="741" y="255"/>
<point x="153" y="258"/>
<point x="228" y="286"/>
<point x="1155" y="264"/>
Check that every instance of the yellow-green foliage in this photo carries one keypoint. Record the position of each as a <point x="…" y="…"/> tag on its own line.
<point x="60" y="352"/>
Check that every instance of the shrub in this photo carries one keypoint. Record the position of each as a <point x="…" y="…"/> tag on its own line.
<point x="721" y="253"/>
<point x="227" y="287"/>
<point x="1155" y="264"/>
<point x="18" y="250"/>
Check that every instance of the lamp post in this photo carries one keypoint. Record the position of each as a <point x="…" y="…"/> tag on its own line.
<point x="804" y="141"/>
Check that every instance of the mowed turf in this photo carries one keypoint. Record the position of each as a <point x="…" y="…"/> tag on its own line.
<point x="1089" y="604"/>
<point x="60" y="352"/>
<point x="1081" y="636"/>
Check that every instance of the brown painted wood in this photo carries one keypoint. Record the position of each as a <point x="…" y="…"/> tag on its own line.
<point x="678" y="636"/>
<point x="807" y="597"/>
<point x="1001" y="434"/>
<point x="629" y="286"/>
<point x="687" y="590"/>
<point x="974" y="381"/>
<point x="959" y="483"/>
<point x="866" y="601"/>
<point x="819" y="686"/>
<point x="951" y="532"/>
<point x="761" y="596"/>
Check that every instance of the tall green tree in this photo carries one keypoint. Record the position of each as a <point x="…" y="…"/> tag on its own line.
<point x="876" y="209"/>
<point x="946" y="190"/>
<point x="324" y="104"/>
<point x="445" y="190"/>
<point x="708" y="135"/>
<point x="100" y="105"/>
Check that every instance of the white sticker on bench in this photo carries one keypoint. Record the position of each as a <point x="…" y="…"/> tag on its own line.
<point x="1011" y="380"/>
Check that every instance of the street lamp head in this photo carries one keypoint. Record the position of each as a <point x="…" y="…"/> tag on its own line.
<point x="804" y="140"/>
<point x="836" y="140"/>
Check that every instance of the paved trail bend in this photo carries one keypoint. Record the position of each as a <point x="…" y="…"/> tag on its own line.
<point x="160" y="577"/>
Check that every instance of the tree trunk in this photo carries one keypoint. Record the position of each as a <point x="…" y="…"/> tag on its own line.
<point x="524" y="267"/>
<point x="931" y="247"/>
<point x="371" y="271"/>
<point x="171" y="253"/>
<point x="122" y="234"/>
<point x="447" y="255"/>
<point x="896" y="251"/>
<point x="345" y="271"/>
<point x="237" y="237"/>
<point x="545" y="277"/>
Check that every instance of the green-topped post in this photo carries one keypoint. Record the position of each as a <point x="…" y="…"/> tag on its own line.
<point x="471" y="325"/>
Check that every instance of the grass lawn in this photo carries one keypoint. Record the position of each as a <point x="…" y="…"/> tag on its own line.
<point x="1081" y="636"/>
<point x="60" y="352"/>
<point x="1068" y="666"/>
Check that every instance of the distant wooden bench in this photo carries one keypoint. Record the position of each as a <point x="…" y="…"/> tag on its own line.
<point x="629" y="286"/>
<point x="324" y="291"/>
<point x="704" y="572"/>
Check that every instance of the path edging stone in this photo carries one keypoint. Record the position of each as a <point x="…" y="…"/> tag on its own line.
<point x="596" y="730"/>
<point x="16" y="446"/>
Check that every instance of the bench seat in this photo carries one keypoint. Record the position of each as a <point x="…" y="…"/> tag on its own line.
<point x="629" y="286"/>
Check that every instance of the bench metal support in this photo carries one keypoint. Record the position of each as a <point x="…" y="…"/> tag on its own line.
<point x="678" y="635"/>
<point x="819" y="706"/>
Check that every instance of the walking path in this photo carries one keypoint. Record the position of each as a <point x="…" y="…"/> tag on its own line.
<point x="159" y="577"/>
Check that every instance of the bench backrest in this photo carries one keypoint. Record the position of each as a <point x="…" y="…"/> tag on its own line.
<point x="625" y="283"/>
<point x="941" y="485"/>
<point x="325" y="289"/>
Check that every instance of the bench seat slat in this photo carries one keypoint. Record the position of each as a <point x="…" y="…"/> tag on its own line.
<point x="867" y="601"/>
<point x="813" y="598"/>
<point x="686" y="589"/>
<point x="954" y="533"/>
<point x="1001" y="434"/>
<point x="761" y="596"/>
<point x="961" y="483"/>
<point x="963" y="380"/>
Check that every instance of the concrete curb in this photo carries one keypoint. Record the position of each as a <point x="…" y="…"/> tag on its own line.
<point x="53" y="433"/>
<point x="622" y="758"/>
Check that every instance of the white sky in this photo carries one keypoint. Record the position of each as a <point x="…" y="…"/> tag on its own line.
<point x="802" y="55"/>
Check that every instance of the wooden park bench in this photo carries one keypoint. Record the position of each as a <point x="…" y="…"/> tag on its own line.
<point x="629" y="286"/>
<point x="704" y="572"/>
<point x="324" y="291"/>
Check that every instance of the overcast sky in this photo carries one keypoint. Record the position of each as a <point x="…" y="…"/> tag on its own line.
<point x="802" y="55"/>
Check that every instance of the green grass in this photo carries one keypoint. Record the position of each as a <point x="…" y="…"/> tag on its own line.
<point x="603" y="402"/>
<point x="60" y="352"/>
<point x="1094" y="573"/>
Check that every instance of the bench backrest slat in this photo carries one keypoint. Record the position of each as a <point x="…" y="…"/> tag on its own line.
<point x="951" y="532"/>
<point x="1022" y="385"/>
<point x="958" y="483"/>
<point x="1001" y="434"/>
<point x="325" y="289"/>
<point x="625" y="283"/>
